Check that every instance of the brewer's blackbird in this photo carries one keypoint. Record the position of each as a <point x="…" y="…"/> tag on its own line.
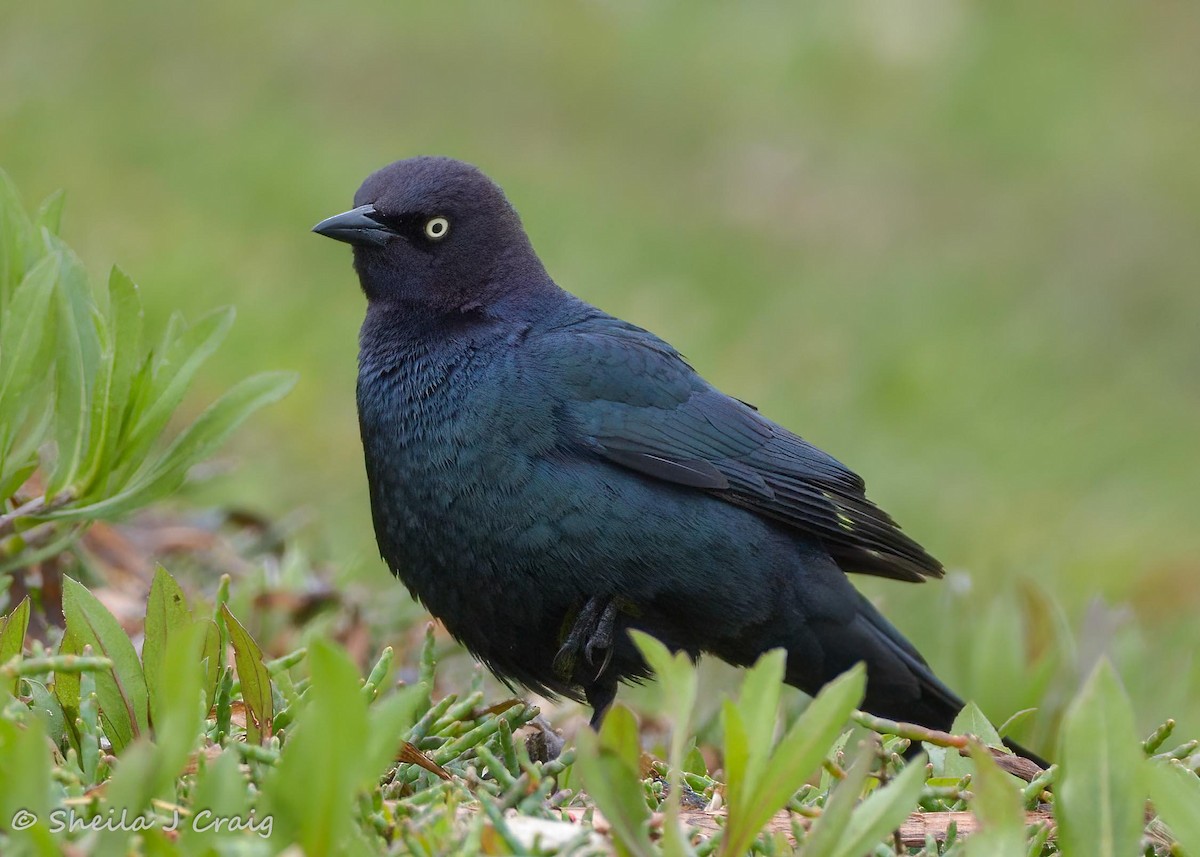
<point x="544" y="476"/>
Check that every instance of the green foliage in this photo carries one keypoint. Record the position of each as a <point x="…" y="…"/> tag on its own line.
<point x="1175" y="790"/>
<point x="86" y="401"/>
<point x="355" y="768"/>
<point x="342" y="741"/>
<point x="678" y="678"/>
<point x="337" y="750"/>
<point x="166" y="612"/>
<point x="256" y="685"/>
<point x="763" y="773"/>
<point x="610" y="767"/>
<point x="121" y="689"/>
<point x="998" y="806"/>
<point x="1102" y="791"/>
<point x="12" y="635"/>
<point x="849" y="824"/>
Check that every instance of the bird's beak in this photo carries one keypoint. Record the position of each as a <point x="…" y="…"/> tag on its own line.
<point x="355" y="226"/>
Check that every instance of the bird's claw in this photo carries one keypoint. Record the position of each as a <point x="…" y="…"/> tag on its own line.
<point x="592" y="631"/>
<point x="601" y="639"/>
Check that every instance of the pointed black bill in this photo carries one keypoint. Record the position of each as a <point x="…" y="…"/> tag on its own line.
<point x="355" y="226"/>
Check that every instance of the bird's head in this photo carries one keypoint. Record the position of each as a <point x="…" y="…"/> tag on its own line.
<point x="435" y="232"/>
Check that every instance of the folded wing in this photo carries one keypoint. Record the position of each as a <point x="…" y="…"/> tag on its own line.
<point x="637" y="403"/>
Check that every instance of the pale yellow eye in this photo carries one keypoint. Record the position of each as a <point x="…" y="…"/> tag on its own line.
<point x="437" y="228"/>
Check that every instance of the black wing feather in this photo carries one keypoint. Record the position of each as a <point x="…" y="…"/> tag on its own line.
<point x="637" y="403"/>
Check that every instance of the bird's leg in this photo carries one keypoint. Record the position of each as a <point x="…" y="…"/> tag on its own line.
<point x="582" y="628"/>
<point x="600" y="697"/>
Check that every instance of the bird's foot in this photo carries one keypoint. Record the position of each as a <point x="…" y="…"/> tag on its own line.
<point x="592" y="633"/>
<point x="601" y="639"/>
<point x="583" y="624"/>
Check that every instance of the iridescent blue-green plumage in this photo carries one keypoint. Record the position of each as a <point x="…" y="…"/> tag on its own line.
<point x="536" y="464"/>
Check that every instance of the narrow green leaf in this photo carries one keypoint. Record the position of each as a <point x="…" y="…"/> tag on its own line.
<point x="209" y="431"/>
<point x="221" y="790"/>
<point x="47" y="708"/>
<point x="71" y="389"/>
<point x="619" y="733"/>
<point x="616" y="788"/>
<point x="738" y="787"/>
<point x="12" y="630"/>
<point x="24" y="777"/>
<point x="883" y="811"/>
<point x="179" y="722"/>
<point x="22" y="330"/>
<point x="174" y="367"/>
<point x="331" y="737"/>
<point x="17" y="244"/>
<point x="166" y="611"/>
<point x="149" y="771"/>
<point x="122" y="690"/>
<point x="390" y="719"/>
<point x="119" y="361"/>
<point x="12" y="637"/>
<point x="758" y="703"/>
<point x="256" y="681"/>
<point x="21" y="327"/>
<point x="825" y="838"/>
<point x="15" y="470"/>
<point x="191" y="447"/>
<point x="49" y="215"/>
<point x="1101" y="790"/>
<point x="803" y="748"/>
<point x="675" y="673"/>
<point x="84" y="302"/>
<point x="67" y="687"/>
<point x="1176" y="794"/>
<point x="210" y="654"/>
<point x="1014" y="720"/>
<point x="999" y="806"/>
<point x="677" y="676"/>
<point x="758" y="700"/>
<point x="796" y="757"/>
<point x="750" y="725"/>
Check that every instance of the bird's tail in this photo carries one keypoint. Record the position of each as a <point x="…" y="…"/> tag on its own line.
<point x="934" y="705"/>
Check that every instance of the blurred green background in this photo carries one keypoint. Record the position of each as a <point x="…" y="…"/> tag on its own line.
<point x="955" y="244"/>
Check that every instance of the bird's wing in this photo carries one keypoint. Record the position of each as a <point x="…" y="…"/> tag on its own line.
<point x="633" y="400"/>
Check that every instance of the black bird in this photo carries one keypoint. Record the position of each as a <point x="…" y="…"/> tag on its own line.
<point x="544" y="476"/>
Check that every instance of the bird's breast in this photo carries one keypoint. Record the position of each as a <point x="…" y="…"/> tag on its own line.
<point x="450" y="440"/>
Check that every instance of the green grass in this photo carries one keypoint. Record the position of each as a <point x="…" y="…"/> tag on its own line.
<point x="953" y="244"/>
